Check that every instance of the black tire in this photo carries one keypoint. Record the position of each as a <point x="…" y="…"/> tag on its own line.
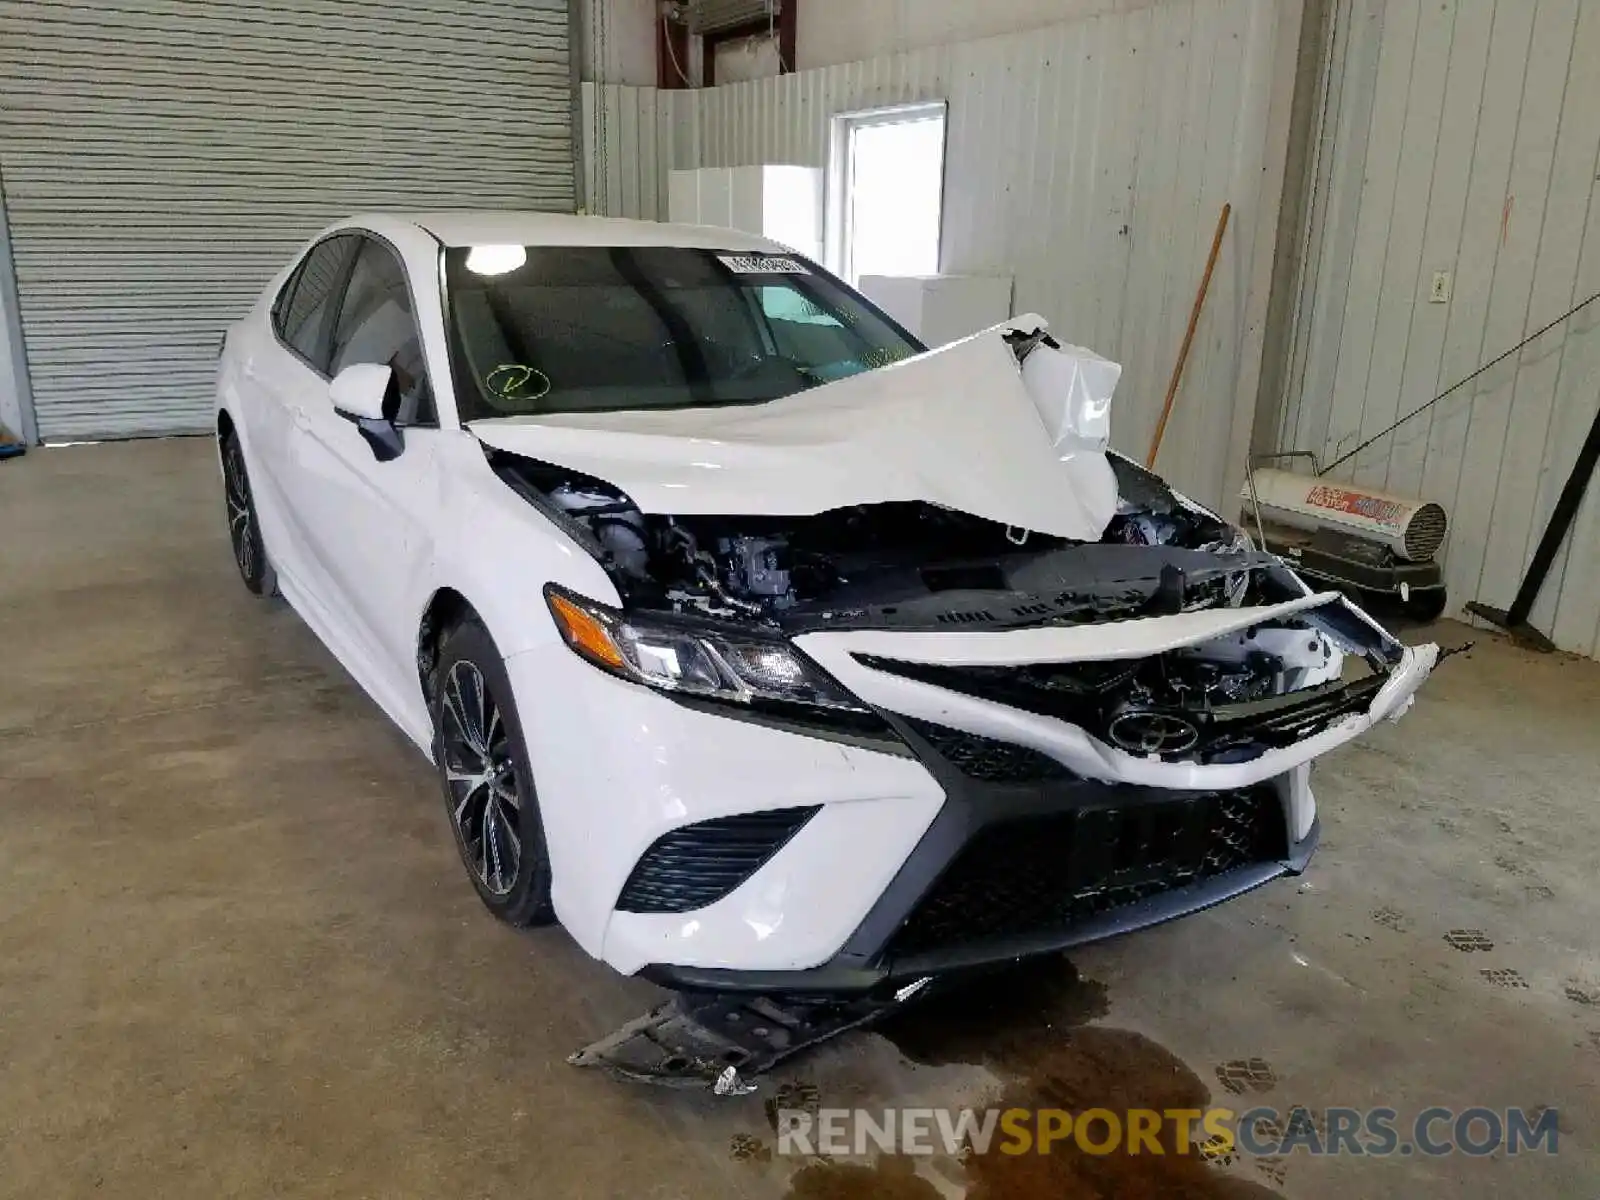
<point x="244" y="530"/>
<point x="1426" y="607"/>
<point x="488" y="785"/>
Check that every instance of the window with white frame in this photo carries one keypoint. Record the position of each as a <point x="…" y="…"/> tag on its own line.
<point x="886" y="184"/>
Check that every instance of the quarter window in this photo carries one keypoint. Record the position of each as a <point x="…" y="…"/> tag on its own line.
<point x="376" y="325"/>
<point x="280" y="306"/>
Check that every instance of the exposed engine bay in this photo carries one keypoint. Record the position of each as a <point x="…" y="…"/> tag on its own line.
<point x="903" y="565"/>
<point x="917" y="566"/>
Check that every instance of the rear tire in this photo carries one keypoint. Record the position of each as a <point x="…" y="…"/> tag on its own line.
<point x="487" y="781"/>
<point x="244" y="529"/>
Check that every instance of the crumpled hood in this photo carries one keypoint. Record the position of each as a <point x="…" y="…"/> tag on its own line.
<point x="958" y="426"/>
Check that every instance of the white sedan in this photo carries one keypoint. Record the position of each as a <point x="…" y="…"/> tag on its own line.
<point x="755" y="644"/>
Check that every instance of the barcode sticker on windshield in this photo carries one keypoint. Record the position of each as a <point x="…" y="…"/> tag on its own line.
<point x="762" y="264"/>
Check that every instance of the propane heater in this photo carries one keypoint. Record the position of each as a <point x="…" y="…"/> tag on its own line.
<point x="1372" y="544"/>
<point x="1382" y="544"/>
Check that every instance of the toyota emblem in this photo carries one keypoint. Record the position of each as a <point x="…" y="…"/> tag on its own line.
<point x="1152" y="733"/>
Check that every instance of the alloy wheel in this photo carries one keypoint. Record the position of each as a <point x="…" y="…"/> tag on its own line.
<point x="481" y="775"/>
<point x="241" y="514"/>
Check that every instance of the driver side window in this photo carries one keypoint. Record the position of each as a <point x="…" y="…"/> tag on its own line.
<point x="376" y="325"/>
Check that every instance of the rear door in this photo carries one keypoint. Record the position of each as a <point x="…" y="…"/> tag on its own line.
<point x="281" y="379"/>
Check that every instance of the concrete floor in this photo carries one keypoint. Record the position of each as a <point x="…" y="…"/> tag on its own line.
<point x="238" y="955"/>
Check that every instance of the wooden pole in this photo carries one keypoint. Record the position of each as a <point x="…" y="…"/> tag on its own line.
<point x="1188" y="337"/>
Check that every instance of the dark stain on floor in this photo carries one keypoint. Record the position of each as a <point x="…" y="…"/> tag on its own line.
<point x="1030" y="1027"/>
<point x="1000" y="1018"/>
<point x="890" y="1178"/>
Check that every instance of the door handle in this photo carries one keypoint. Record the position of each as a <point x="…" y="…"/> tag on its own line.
<point x="301" y="420"/>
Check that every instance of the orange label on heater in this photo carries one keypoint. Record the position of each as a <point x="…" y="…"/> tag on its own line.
<point x="1357" y="504"/>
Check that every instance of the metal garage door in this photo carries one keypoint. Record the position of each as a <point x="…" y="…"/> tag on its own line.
<point x="161" y="158"/>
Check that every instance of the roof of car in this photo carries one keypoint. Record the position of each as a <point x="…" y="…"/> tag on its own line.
<point x="560" y="229"/>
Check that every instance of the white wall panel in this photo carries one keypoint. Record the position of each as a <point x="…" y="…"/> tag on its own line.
<point x="632" y="138"/>
<point x="620" y="35"/>
<point x="1088" y="160"/>
<point x="619" y="40"/>
<point x="836" y="31"/>
<point x="1462" y="137"/>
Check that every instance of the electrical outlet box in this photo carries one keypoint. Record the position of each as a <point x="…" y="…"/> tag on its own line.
<point x="1441" y="288"/>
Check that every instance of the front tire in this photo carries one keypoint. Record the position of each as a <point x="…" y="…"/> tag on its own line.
<point x="488" y="784"/>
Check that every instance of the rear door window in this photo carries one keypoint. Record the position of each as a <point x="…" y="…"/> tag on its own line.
<point x="306" y="319"/>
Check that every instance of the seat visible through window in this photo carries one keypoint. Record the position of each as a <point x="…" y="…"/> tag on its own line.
<point x="376" y="326"/>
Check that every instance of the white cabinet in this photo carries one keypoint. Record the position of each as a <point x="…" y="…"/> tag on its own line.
<point x="940" y="309"/>
<point x="783" y="203"/>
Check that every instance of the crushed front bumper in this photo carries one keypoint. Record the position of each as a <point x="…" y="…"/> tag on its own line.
<point x="1050" y="838"/>
<point x="1026" y="834"/>
<point x="842" y="654"/>
<point x="878" y="956"/>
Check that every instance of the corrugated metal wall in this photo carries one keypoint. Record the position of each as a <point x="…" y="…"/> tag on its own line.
<point x="163" y="158"/>
<point x="1088" y="160"/>
<point x="1462" y="136"/>
<point x="632" y="136"/>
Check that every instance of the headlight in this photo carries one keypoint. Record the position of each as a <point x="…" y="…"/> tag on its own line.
<point x="693" y="661"/>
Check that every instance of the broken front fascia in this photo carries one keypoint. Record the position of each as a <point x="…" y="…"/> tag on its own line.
<point x="1008" y="427"/>
<point x="1067" y="585"/>
<point x="846" y="656"/>
<point x="968" y="427"/>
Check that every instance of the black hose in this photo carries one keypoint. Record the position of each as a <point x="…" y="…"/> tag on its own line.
<point x="1454" y="387"/>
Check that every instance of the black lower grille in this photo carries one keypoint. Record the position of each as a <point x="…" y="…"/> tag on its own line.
<point x="987" y="759"/>
<point x="1041" y="873"/>
<point x="696" y="865"/>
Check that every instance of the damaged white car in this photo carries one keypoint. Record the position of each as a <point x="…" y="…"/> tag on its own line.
<point x="761" y="648"/>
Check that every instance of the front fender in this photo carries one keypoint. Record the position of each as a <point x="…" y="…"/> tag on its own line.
<point x="498" y="551"/>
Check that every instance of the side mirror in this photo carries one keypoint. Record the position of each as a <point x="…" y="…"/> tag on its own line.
<point x="360" y="393"/>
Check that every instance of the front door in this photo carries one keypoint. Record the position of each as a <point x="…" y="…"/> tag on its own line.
<point x="366" y="520"/>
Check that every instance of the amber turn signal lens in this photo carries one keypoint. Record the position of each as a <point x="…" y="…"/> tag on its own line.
<point x="585" y="632"/>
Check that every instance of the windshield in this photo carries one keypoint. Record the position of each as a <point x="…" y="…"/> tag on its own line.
<point x="548" y="329"/>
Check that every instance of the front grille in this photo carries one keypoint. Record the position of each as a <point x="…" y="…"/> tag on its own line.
<point x="1425" y="532"/>
<point x="987" y="759"/>
<point x="1090" y="696"/>
<point x="699" y="864"/>
<point x="1075" y="691"/>
<point x="1043" y="873"/>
